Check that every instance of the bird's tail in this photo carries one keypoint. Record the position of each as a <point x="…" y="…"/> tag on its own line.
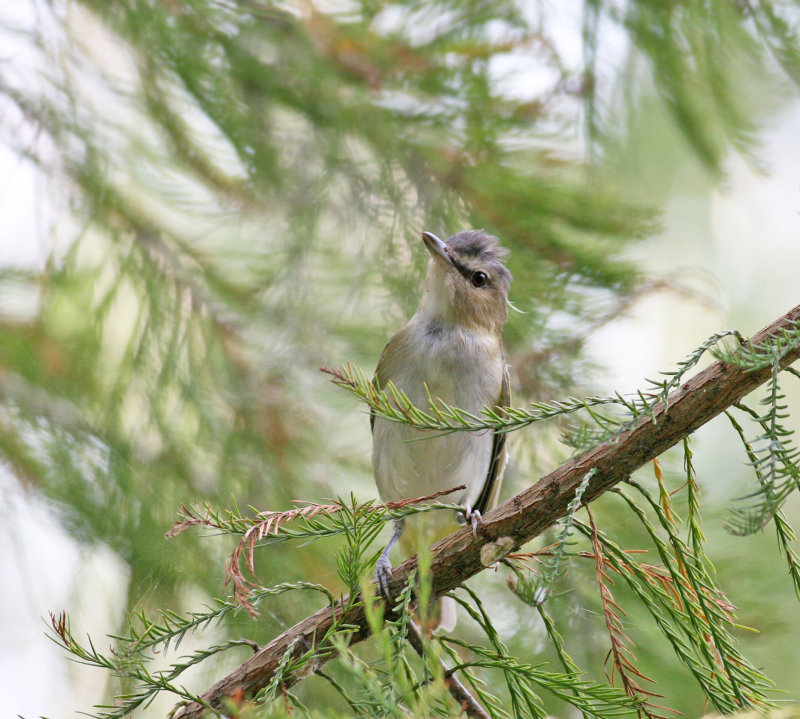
<point x="447" y="615"/>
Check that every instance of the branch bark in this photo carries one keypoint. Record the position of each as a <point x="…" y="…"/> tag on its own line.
<point x="457" y="557"/>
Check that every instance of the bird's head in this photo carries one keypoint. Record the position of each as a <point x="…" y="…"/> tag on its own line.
<point x="467" y="282"/>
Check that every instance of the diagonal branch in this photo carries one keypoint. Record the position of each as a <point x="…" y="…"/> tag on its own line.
<point x="458" y="556"/>
<point x="469" y="704"/>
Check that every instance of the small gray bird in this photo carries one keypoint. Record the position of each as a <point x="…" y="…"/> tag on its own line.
<point x="453" y="344"/>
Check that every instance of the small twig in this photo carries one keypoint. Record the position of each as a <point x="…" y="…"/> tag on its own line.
<point x="621" y="652"/>
<point x="468" y="703"/>
<point x="269" y="523"/>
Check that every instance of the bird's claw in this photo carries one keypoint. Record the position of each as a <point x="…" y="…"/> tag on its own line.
<point x="383" y="567"/>
<point x="383" y="573"/>
<point x="474" y="517"/>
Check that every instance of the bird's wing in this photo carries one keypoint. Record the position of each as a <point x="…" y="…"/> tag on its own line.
<point x="372" y="411"/>
<point x="494" y="477"/>
<point x="383" y="371"/>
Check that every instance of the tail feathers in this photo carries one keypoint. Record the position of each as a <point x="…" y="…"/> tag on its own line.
<point x="447" y="615"/>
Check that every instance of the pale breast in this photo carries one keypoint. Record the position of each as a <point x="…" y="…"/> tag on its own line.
<point x="462" y="368"/>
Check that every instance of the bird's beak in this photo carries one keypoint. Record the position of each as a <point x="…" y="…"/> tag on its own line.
<point x="437" y="248"/>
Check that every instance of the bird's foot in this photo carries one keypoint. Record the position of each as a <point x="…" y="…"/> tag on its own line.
<point x="473" y="516"/>
<point x="383" y="573"/>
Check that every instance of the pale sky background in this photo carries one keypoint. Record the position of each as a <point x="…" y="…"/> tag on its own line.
<point x="740" y="246"/>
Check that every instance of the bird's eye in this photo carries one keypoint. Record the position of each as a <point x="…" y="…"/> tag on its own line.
<point x="479" y="279"/>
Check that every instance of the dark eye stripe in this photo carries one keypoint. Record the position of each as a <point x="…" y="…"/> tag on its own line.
<point x="467" y="272"/>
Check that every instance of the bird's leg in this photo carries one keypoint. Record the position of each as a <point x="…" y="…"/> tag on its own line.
<point x="473" y="516"/>
<point x="383" y="567"/>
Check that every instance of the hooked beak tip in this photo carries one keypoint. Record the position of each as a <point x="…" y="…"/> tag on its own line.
<point x="436" y="247"/>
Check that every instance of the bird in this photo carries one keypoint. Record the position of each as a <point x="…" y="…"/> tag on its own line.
<point x="451" y="350"/>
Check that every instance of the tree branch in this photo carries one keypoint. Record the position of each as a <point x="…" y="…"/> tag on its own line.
<point x="457" y="557"/>
<point x="468" y="703"/>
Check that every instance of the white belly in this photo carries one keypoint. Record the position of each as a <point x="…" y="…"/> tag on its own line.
<point x="463" y="369"/>
<point x="412" y="465"/>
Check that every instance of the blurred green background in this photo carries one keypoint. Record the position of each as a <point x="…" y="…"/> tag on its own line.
<point x="205" y="201"/>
